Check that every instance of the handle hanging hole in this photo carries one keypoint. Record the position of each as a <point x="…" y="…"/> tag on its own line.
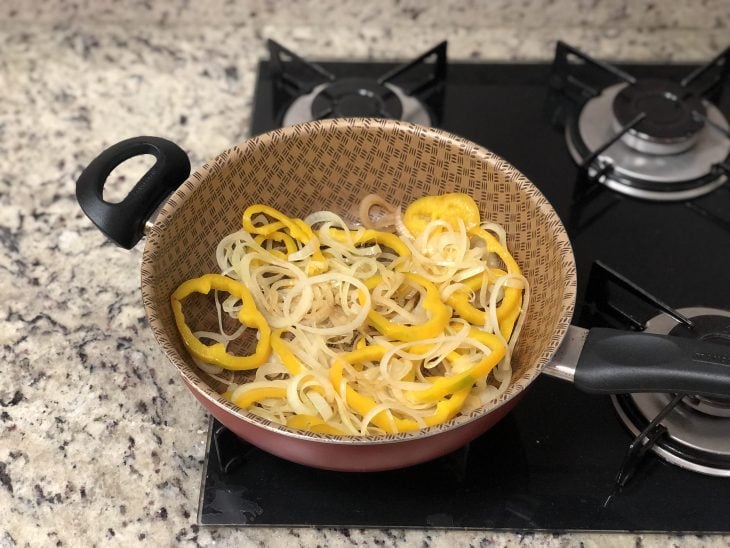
<point x="125" y="176"/>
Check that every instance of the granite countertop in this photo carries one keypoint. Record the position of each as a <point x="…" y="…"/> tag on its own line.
<point x="100" y="443"/>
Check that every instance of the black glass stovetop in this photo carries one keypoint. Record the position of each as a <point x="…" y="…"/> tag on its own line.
<point x="551" y="464"/>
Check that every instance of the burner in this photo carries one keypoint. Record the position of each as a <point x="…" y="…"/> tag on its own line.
<point x="356" y="97"/>
<point x="679" y="176"/>
<point x="304" y="91"/>
<point x="650" y="138"/>
<point x="672" y="116"/>
<point x="697" y="428"/>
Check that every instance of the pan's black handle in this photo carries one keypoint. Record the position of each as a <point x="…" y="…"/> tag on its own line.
<point x="124" y="222"/>
<point x="614" y="362"/>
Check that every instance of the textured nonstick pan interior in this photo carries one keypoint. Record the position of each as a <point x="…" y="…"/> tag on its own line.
<point x="332" y="165"/>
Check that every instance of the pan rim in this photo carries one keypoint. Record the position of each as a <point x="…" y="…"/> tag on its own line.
<point x="194" y="382"/>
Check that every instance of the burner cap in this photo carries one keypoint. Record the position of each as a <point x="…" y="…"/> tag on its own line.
<point x="669" y="115"/>
<point x="356" y="97"/>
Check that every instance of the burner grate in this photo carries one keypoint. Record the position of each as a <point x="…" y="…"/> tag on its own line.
<point x="305" y="91"/>
<point x="686" y="430"/>
<point x="653" y="139"/>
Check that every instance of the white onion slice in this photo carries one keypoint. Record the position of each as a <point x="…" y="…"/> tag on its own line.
<point x="324" y="314"/>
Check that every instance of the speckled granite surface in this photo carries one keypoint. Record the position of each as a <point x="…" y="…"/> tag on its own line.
<point x="99" y="442"/>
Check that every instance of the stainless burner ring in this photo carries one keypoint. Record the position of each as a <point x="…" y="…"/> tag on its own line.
<point x="662" y="177"/>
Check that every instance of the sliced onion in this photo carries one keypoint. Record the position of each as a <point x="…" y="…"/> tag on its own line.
<point x="324" y="315"/>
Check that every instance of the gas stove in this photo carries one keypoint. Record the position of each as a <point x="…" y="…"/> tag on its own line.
<point x="635" y="158"/>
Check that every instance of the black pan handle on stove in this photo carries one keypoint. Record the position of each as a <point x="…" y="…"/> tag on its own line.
<point x="611" y="361"/>
<point x="124" y="222"/>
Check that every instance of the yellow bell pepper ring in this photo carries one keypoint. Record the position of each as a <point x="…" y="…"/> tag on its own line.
<point x="509" y="308"/>
<point x="370" y="235"/>
<point x="446" y="409"/>
<point x="440" y="314"/>
<point x="282" y="350"/>
<point x="447" y="207"/>
<point x="298" y="230"/>
<point x="507" y="311"/>
<point x="248" y="398"/>
<point x="278" y="236"/>
<point x="314" y="424"/>
<point x="249" y="316"/>
<point x="282" y="221"/>
<point x="493" y="246"/>
<point x="440" y="387"/>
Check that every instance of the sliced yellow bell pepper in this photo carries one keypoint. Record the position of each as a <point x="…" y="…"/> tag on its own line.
<point x="447" y="207"/>
<point x="493" y="246"/>
<point x="439" y="387"/>
<point x="278" y="236"/>
<point x="440" y="314"/>
<point x="298" y="229"/>
<point x="446" y="409"/>
<point x="507" y="323"/>
<point x="283" y="221"/>
<point x="247" y="399"/>
<point x="507" y="310"/>
<point x="282" y="350"/>
<point x="249" y="316"/>
<point x="360" y="343"/>
<point x="370" y="235"/>
<point x="368" y="353"/>
<point x="314" y="424"/>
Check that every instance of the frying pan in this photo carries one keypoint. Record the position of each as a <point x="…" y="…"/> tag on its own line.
<point x="332" y="165"/>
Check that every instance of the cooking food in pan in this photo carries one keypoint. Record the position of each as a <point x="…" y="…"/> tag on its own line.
<point x="362" y="331"/>
<point x="333" y="165"/>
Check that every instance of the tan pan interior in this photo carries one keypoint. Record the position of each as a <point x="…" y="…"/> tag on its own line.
<point x="332" y="165"/>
